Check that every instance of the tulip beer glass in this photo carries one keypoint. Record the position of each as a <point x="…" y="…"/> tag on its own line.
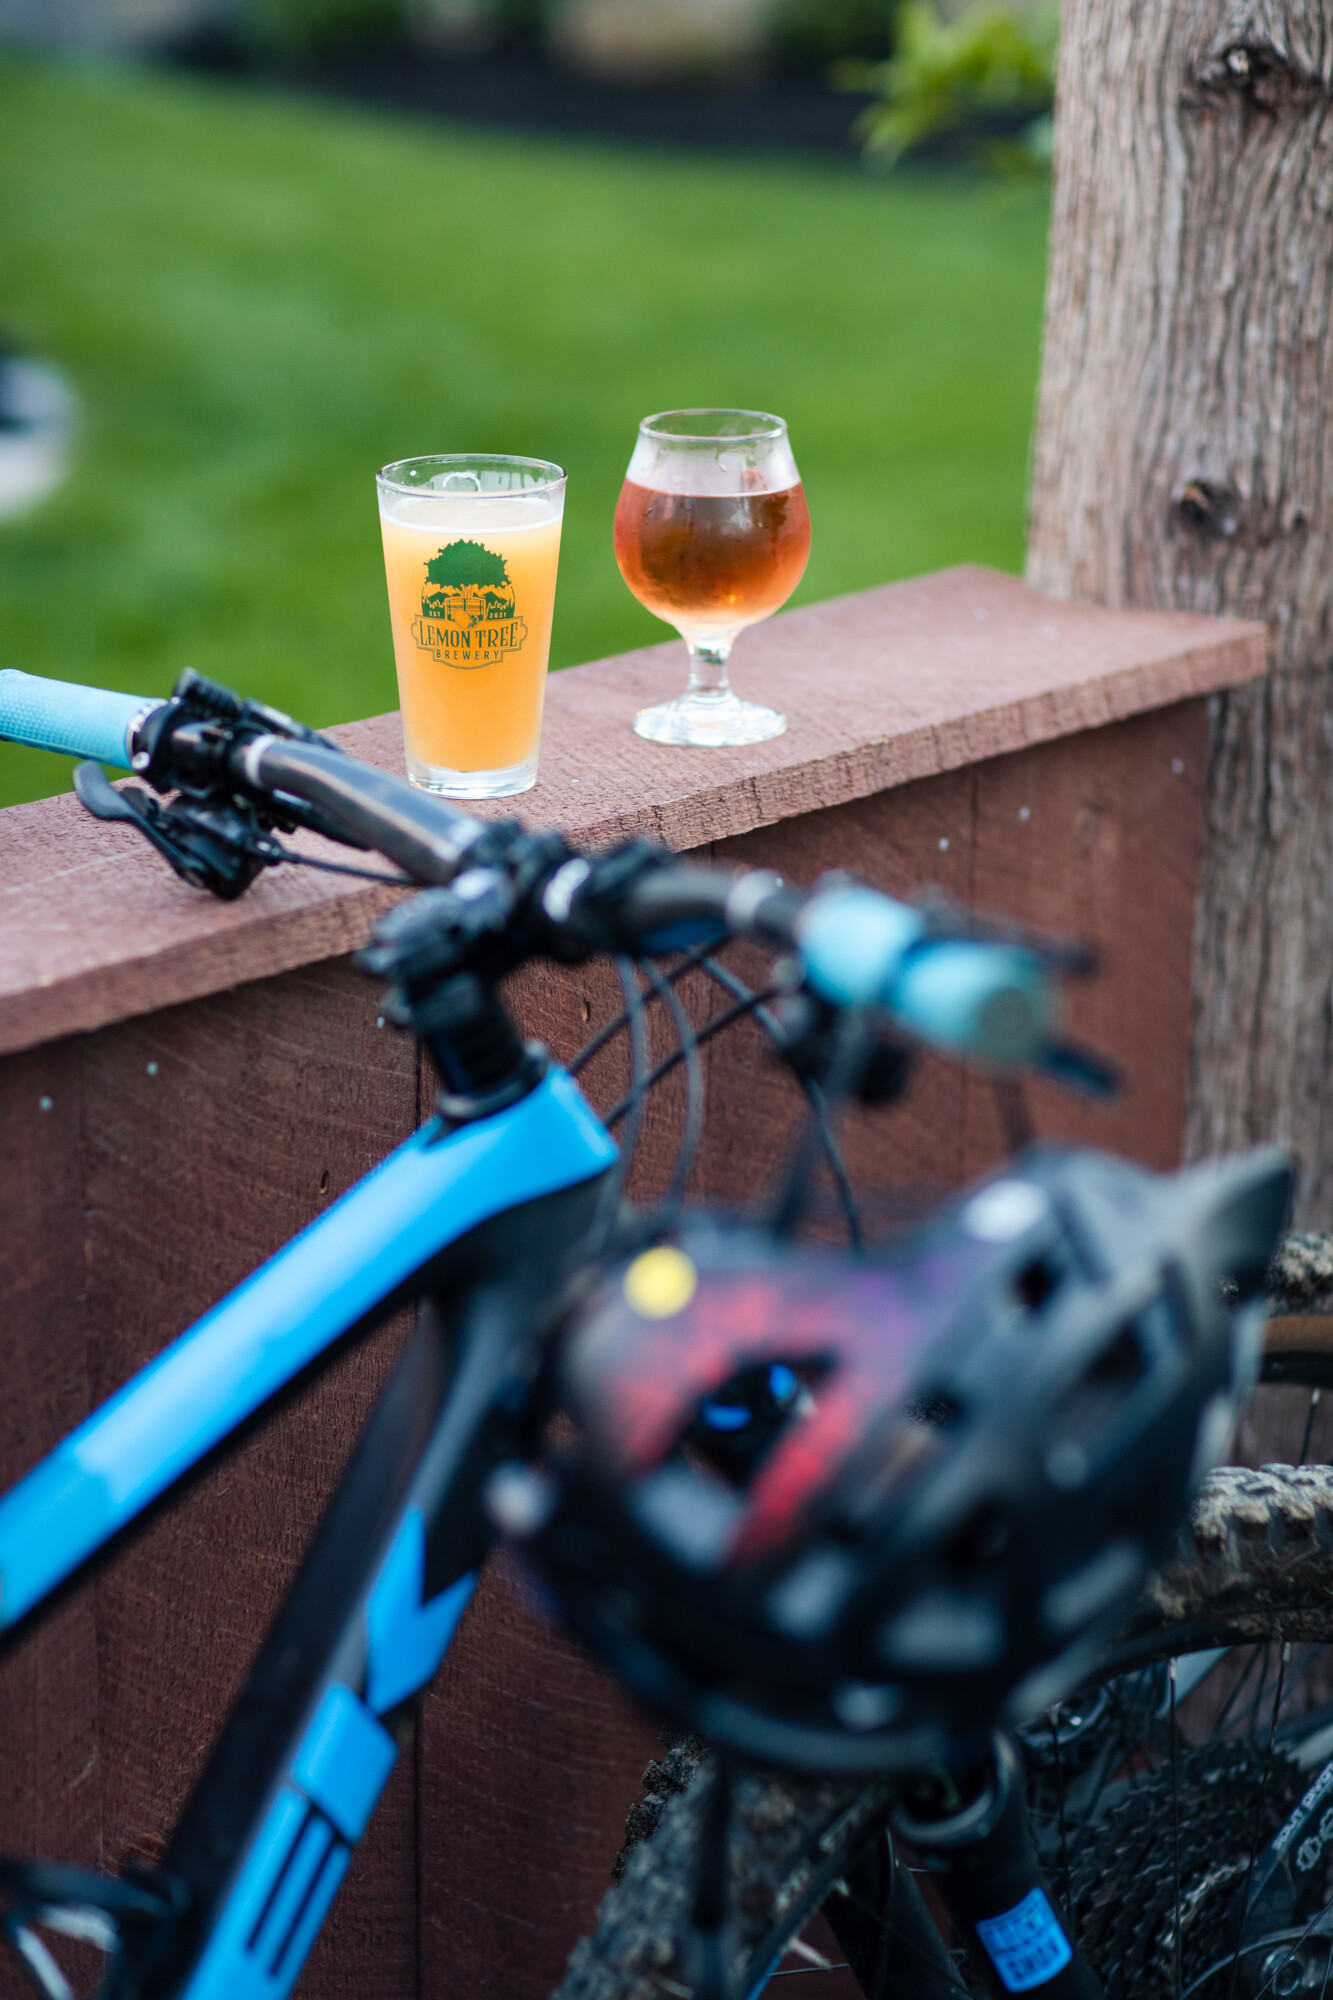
<point x="712" y="534"/>
<point x="470" y="551"/>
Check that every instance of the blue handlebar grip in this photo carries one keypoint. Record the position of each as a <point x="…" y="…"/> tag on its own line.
<point x="77" y="721"/>
<point x="996" y="1003"/>
<point x="853" y="941"/>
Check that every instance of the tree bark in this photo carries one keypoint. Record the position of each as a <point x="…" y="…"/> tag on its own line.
<point x="1184" y="457"/>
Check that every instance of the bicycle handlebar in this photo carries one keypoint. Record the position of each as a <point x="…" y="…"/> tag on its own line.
<point x="77" y="721"/>
<point x="973" y="997"/>
<point x="424" y="834"/>
<point x="989" y="1000"/>
<point x="860" y="948"/>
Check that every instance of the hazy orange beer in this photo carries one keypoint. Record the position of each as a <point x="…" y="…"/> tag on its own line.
<point x="471" y="545"/>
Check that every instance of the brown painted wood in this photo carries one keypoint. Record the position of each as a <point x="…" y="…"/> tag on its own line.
<point x="1300" y="1333"/>
<point x="265" y="1106"/>
<point x="1112" y="856"/>
<point x="50" y="1779"/>
<point x="231" y="1061"/>
<point x="930" y="675"/>
<point x="530" y="1761"/>
<point x="181" y="1149"/>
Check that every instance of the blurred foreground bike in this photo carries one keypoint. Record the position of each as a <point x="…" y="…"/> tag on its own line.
<point x="844" y="1511"/>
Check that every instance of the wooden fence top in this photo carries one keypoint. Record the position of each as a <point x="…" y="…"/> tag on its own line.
<point x="879" y="688"/>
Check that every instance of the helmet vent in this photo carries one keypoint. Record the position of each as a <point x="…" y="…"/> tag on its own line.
<point x="737" y="1426"/>
<point x="944" y="1631"/>
<point x="1101" y="1392"/>
<point x="937" y="1409"/>
<point x="1036" y="1283"/>
<point x="985" y="1535"/>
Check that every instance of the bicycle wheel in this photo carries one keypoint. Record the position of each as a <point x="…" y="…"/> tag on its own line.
<point x="1255" y="1572"/>
<point x="799" y="1843"/>
<point x="1290" y="1419"/>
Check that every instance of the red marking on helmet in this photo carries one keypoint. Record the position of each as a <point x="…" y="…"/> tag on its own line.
<point x="648" y="1378"/>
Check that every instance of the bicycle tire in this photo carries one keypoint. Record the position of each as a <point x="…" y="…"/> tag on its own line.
<point x="1298" y="1351"/>
<point x="1254" y="1561"/>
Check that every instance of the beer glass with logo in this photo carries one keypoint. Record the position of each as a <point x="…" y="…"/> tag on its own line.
<point x="471" y="543"/>
<point x="712" y="533"/>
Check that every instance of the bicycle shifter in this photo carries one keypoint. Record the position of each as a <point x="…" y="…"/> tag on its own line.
<point x="218" y="847"/>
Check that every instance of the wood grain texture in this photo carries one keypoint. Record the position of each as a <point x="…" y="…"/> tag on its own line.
<point x="50" y="1776"/>
<point x="1113" y="827"/>
<point x="930" y="675"/>
<point x="179" y="1151"/>
<point x="282" y="1095"/>
<point x="530" y="1761"/>
<point x="1183" y="459"/>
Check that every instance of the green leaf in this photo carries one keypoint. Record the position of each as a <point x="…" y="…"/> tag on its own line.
<point x="466" y="563"/>
<point x="951" y="74"/>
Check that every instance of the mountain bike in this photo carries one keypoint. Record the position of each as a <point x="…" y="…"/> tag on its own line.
<point x="513" y="1170"/>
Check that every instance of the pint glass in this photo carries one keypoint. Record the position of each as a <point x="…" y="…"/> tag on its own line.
<point x="471" y="544"/>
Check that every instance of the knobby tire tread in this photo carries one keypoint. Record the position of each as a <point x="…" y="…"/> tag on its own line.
<point x="1255" y="1557"/>
<point x="1254" y="1561"/>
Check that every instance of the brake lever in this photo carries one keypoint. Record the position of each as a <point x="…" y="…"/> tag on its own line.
<point x="1068" y="1063"/>
<point x="217" y="848"/>
<point x="98" y="796"/>
<point x="1080" y="1069"/>
<point x="947" y="919"/>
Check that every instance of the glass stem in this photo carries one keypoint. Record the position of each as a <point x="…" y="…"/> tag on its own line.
<point x="708" y="666"/>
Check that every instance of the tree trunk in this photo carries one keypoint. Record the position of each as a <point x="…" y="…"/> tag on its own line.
<point x="1183" y="458"/>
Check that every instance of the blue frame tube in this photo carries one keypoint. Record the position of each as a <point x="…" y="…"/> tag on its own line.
<point x="337" y="1274"/>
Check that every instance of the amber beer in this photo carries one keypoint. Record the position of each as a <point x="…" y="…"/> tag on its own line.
<point x="712" y="563"/>
<point x="712" y="534"/>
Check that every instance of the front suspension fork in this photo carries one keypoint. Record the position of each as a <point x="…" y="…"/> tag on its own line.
<point x="973" y="1839"/>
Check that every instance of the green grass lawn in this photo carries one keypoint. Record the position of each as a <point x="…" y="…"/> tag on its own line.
<point x="262" y="299"/>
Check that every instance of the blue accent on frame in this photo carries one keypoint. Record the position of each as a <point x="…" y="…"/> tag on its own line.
<point x="428" y="1193"/>
<point x="299" y="1856"/>
<point x="316" y="1856"/>
<point x="273" y="1914"/>
<point x="1026" y="1944"/>
<point x="343" y="1761"/>
<point x="408" y="1638"/>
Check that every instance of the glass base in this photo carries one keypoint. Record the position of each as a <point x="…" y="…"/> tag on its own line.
<point x="501" y="784"/>
<point x="710" y="721"/>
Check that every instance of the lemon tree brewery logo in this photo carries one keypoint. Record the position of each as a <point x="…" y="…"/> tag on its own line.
<point x="467" y="608"/>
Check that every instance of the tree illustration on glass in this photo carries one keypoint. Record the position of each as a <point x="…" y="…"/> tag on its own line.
<point x="466" y="583"/>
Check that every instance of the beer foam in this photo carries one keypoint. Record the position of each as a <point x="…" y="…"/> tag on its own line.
<point x="714" y="468"/>
<point x="469" y="513"/>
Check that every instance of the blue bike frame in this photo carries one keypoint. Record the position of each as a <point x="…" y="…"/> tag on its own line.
<point x="372" y="1249"/>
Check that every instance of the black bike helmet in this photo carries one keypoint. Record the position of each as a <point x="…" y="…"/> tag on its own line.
<point x="837" y="1511"/>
